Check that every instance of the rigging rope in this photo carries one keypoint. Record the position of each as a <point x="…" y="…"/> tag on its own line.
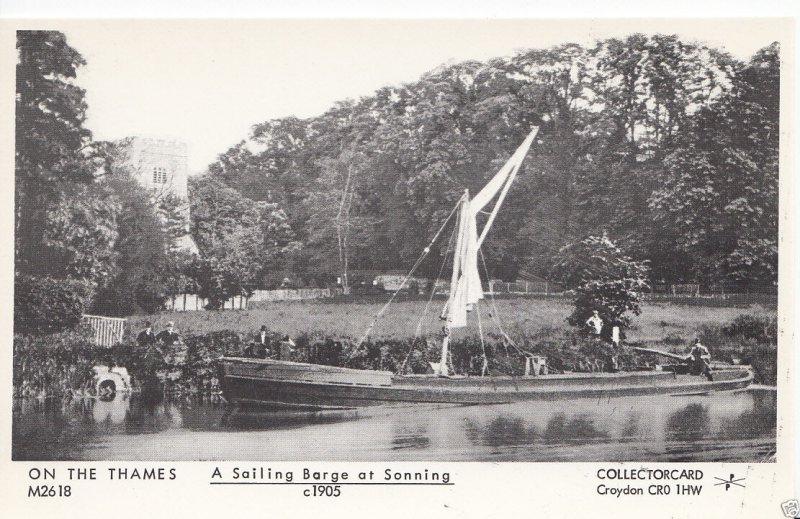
<point x="484" y="361"/>
<point x="428" y="304"/>
<point x="422" y="256"/>
<point x="496" y="315"/>
<point x="435" y="283"/>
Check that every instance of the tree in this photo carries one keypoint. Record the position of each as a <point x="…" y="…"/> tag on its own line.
<point x="143" y="266"/>
<point x="718" y="194"/>
<point x="616" y="123"/>
<point x="241" y="241"/>
<point x="50" y="146"/>
<point x="81" y="233"/>
<point x="603" y="279"/>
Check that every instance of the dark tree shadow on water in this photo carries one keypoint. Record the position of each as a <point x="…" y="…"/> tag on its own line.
<point x="501" y="431"/>
<point x="691" y="423"/>
<point x="578" y="429"/>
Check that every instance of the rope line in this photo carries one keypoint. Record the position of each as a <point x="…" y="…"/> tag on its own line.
<point x="496" y="316"/>
<point x="422" y="256"/>
<point x="484" y="361"/>
<point x="435" y="283"/>
<point x="428" y="304"/>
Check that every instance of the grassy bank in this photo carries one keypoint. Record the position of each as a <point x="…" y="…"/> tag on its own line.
<point x="658" y="320"/>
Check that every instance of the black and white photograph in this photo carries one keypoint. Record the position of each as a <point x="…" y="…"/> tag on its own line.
<point x="398" y="241"/>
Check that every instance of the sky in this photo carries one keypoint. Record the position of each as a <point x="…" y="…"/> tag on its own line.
<point x="207" y="82"/>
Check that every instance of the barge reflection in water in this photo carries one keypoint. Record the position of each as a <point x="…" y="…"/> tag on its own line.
<point x="725" y="426"/>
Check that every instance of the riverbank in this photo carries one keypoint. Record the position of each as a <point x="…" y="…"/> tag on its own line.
<point x="658" y="322"/>
<point x="62" y="364"/>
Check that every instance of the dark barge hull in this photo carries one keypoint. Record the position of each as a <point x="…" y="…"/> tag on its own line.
<point x="284" y="384"/>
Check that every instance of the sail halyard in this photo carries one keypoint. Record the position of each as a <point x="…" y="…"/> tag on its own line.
<point x="509" y="172"/>
<point x="465" y="286"/>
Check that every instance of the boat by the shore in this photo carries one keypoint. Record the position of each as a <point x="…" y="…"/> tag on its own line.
<point x="285" y="384"/>
<point x="282" y="383"/>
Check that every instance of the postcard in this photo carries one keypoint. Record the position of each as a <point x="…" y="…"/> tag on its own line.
<point x="383" y="267"/>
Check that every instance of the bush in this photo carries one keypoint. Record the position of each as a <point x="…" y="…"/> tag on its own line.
<point x="52" y="364"/>
<point x="674" y="339"/>
<point x="603" y="279"/>
<point x="47" y="305"/>
<point x="760" y="329"/>
<point x="201" y="356"/>
<point x="748" y="339"/>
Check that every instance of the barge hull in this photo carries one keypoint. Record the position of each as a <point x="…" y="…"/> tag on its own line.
<point x="282" y="384"/>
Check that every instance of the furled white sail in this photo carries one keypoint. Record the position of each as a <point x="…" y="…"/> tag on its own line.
<point x="466" y="288"/>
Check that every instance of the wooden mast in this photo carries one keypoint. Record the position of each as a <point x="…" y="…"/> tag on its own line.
<point x="458" y="260"/>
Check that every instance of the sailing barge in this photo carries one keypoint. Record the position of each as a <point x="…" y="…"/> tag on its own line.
<point x="287" y="384"/>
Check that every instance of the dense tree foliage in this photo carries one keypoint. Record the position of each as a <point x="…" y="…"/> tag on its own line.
<point x="602" y="278"/>
<point x="669" y="147"/>
<point x="243" y="243"/>
<point x="51" y="146"/>
<point x="143" y="266"/>
<point x="666" y="147"/>
<point x="48" y="305"/>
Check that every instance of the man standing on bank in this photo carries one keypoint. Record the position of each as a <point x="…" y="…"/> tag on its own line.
<point x="146" y="337"/>
<point x="595" y="324"/>
<point x="261" y="349"/>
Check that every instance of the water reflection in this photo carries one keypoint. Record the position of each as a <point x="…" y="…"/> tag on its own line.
<point x="689" y="424"/>
<point x="580" y="428"/>
<point x="723" y="426"/>
<point x="410" y="438"/>
<point x="501" y="431"/>
<point x="111" y="412"/>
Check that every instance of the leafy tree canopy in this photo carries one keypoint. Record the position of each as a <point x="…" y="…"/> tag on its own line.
<point x="668" y="146"/>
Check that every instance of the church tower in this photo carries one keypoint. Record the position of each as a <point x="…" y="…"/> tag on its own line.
<point x="160" y="166"/>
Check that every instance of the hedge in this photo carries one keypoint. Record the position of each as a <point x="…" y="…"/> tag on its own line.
<point x="48" y="305"/>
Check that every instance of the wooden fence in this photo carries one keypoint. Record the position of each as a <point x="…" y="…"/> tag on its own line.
<point x="515" y="287"/>
<point x="192" y="302"/>
<point x="294" y="294"/>
<point x="685" y="290"/>
<point x="523" y="287"/>
<point x="107" y="331"/>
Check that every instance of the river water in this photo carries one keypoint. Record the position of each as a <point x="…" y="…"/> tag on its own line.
<point x="726" y="426"/>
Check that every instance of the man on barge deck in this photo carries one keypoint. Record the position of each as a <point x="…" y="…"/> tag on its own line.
<point x="699" y="360"/>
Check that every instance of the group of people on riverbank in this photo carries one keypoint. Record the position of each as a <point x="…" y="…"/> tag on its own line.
<point x="167" y="337"/>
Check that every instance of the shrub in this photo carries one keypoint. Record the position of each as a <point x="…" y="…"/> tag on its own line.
<point x="749" y="339"/>
<point x="603" y="279"/>
<point x="760" y="329"/>
<point x="674" y="339"/>
<point x="201" y="356"/>
<point x="51" y="364"/>
<point x="47" y="305"/>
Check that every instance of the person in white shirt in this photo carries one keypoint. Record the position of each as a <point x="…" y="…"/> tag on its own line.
<point x="286" y="348"/>
<point x="595" y="323"/>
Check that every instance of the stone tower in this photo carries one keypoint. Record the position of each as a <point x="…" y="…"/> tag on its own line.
<point x="160" y="166"/>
